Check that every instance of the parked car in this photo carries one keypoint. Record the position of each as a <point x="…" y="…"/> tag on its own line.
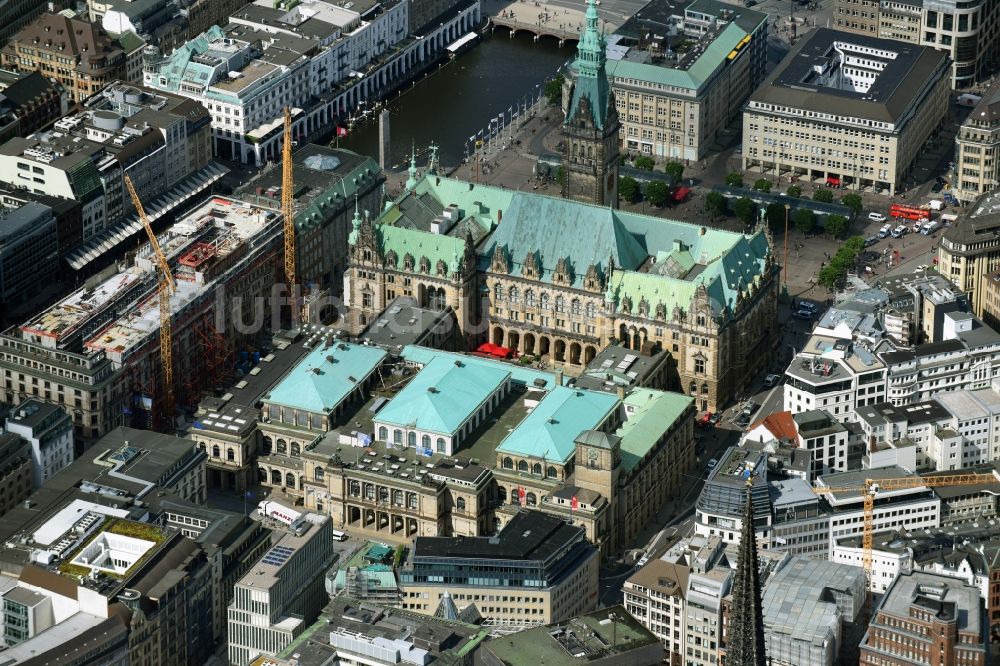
<point x="899" y="231"/>
<point x="876" y="217"/>
<point x="938" y="186"/>
<point x="704" y="420"/>
<point x="802" y="314"/>
<point x="885" y="231"/>
<point x="714" y="419"/>
<point x="808" y="306"/>
<point x="872" y="240"/>
<point x="712" y="463"/>
<point x="771" y="381"/>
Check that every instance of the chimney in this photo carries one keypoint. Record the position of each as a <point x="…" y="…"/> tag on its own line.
<point x="620" y="392"/>
<point x="559" y="377"/>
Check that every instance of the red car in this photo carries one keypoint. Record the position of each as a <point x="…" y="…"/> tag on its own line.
<point x="704" y="420"/>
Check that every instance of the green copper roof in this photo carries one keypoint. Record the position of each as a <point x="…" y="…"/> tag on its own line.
<point x="550" y="430"/>
<point x="519" y="374"/>
<point x="591" y="80"/>
<point x="442" y="396"/>
<point x="560" y="229"/>
<point x="653" y="414"/>
<point x="129" y="41"/>
<point x="692" y="78"/>
<point x="341" y="367"/>
<point x="420" y="244"/>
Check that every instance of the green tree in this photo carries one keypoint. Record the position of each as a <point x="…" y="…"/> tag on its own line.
<point x="803" y="220"/>
<point x="829" y="276"/>
<point x="855" y="244"/>
<point x="823" y="195"/>
<point x="852" y="201"/>
<point x="776" y="217"/>
<point x="794" y="191"/>
<point x="744" y="208"/>
<point x="675" y="169"/>
<point x="734" y="179"/>
<point x="553" y="89"/>
<point x="628" y="189"/>
<point x="645" y="163"/>
<point x="762" y="185"/>
<point x="715" y="204"/>
<point x="657" y="193"/>
<point x="561" y="175"/>
<point x="836" y="225"/>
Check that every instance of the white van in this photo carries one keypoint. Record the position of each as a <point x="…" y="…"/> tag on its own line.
<point x="339" y="536"/>
<point x="885" y="230"/>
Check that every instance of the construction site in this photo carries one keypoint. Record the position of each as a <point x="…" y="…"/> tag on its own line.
<point x="225" y="255"/>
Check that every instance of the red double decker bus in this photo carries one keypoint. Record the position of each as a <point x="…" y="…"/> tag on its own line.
<point x="909" y="212"/>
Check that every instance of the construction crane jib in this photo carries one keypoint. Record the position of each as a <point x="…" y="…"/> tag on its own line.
<point x="288" y="210"/>
<point x="165" y="290"/>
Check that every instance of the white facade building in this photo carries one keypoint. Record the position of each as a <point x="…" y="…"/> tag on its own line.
<point x="833" y="375"/>
<point x="49" y="430"/>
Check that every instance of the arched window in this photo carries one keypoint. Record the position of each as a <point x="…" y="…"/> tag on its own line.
<point x="530" y="499"/>
<point x="704" y="387"/>
<point x="295" y="448"/>
<point x="701" y="320"/>
<point x="522" y="465"/>
<point x="289" y="479"/>
<point x="318" y="474"/>
<point x="543" y="301"/>
<point x="529" y="298"/>
<point x="551" y="472"/>
<point x="411" y="501"/>
<point x="262" y="475"/>
<point x="397" y="436"/>
<point x="397" y="498"/>
<point x="383" y="434"/>
<point x="560" y="304"/>
<point x="508" y="463"/>
<point x="302" y="482"/>
<point x="513" y="295"/>
<point x="575" y="306"/>
<point x="440" y="445"/>
<point x="275" y="477"/>
<point x="502" y="495"/>
<point x="498" y="292"/>
<point x="216" y="451"/>
<point x="282" y="446"/>
<point x="355" y="489"/>
<point x="425" y="441"/>
<point x="591" y="310"/>
<point x="536" y="469"/>
<point x="267" y="443"/>
<point x="230" y="454"/>
<point x="202" y="446"/>
<point x="411" y="439"/>
<point x="460" y="504"/>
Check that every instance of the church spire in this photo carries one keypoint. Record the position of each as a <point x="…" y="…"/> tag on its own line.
<point x="352" y="238"/>
<point x="411" y="182"/>
<point x="746" y="617"/>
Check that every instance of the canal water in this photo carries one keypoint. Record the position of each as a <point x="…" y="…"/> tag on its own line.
<point x="455" y="101"/>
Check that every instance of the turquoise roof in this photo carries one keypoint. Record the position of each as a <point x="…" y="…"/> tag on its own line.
<point x="420" y="244"/>
<point x="550" y="430"/>
<point x="519" y="374"/>
<point x="304" y="388"/>
<point x="591" y="80"/>
<point x="558" y="229"/>
<point x="442" y="396"/>
<point x="654" y="413"/>
<point x="692" y="78"/>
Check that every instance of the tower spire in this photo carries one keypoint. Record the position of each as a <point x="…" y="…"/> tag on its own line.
<point x="411" y="182"/>
<point x="352" y="238"/>
<point x="746" y="619"/>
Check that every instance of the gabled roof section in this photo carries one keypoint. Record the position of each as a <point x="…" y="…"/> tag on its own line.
<point x="442" y="396"/>
<point x="649" y="414"/>
<point x="326" y="376"/>
<point x="551" y="429"/>
<point x="557" y="229"/>
<point x="779" y="424"/>
<point x="420" y="244"/>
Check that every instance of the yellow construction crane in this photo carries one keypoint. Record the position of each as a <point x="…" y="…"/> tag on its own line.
<point x="872" y="487"/>
<point x="288" y="210"/>
<point x="165" y="290"/>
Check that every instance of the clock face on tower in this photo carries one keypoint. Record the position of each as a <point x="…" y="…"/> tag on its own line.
<point x="592" y="456"/>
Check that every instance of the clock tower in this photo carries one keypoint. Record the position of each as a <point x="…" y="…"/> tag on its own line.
<point x="598" y="462"/>
<point x="590" y="131"/>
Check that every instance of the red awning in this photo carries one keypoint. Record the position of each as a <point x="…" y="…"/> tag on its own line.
<point x="681" y="193"/>
<point x="493" y="350"/>
<point x="832" y="181"/>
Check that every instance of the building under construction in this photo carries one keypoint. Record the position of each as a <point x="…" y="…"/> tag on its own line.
<point x="225" y="258"/>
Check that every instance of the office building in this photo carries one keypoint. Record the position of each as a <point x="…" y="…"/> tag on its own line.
<point x="16" y="471"/>
<point x="29" y="251"/>
<point x="81" y="56"/>
<point x="331" y="186"/>
<point x="977" y="149"/>
<point x="605" y="636"/>
<point x="31" y="103"/>
<point x="677" y="91"/>
<point x="539" y="569"/>
<point x="555" y="297"/>
<point x="655" y="596"/>
<point x="968" y="256"/>
<point x="831" y="113"/>
<point x="943" y="620"/>
<point x="281" y="595"/>
<point x="49" y="431"/>
<point x="964" y="32"/>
